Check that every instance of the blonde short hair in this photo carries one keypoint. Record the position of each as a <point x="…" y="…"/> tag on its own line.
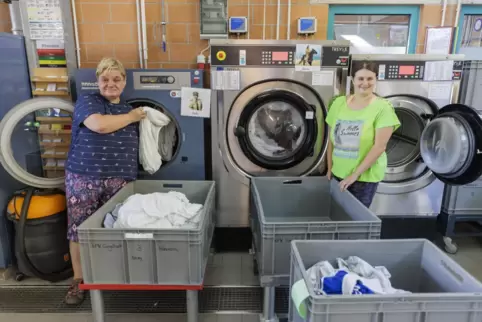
<point x="108" y="64"/>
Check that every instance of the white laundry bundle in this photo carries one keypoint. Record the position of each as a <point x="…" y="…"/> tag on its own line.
<point x="157" y="211"/>
<point x="149" y="129"/>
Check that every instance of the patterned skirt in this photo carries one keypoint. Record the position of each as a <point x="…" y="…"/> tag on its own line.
<point x="363" y="191"/>
<point x="85" y="195"/>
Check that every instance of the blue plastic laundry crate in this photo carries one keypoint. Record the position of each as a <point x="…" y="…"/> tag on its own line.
<point x="442" y="291"/>
<point x="309" y="208"/>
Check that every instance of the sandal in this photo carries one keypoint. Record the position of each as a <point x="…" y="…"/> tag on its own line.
<point x="75" y="296"/>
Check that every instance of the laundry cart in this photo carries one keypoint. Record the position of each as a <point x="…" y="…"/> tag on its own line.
<point x="439" y="288"/>
<point x="300" y="208"/>
<point x="148" y="259"/>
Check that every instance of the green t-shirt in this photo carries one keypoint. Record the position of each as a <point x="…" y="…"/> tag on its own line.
<point x="352" y="133"/>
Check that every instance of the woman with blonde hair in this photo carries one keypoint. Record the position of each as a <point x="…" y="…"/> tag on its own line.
<point x="102" y="157"/>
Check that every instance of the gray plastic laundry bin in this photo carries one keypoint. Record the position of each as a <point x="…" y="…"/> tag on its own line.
<point x="442" y="291"/>
<point x="149" y="256"/>
<point x="308" y="208"/>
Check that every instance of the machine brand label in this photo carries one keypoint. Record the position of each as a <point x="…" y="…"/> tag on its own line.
<point x="337" y="49"/>
<point x="89" y="85"/>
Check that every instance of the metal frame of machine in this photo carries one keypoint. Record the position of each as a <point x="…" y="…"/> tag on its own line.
<point x="264" y="72"/>
<point x="414" y="182"/>
<point x="161" y="89"/>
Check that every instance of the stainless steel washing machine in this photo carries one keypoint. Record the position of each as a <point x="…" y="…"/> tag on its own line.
<point x="267" y="118"/>
<point x="437" y="142"/>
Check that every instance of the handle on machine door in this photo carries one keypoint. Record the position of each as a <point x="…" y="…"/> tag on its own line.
<point x="239" y="131"/>
<point x="298" y="181"/>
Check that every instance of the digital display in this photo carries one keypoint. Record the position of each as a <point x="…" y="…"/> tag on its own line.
<point x="406" y="70"/>
<point x="279" y="56"/>
<point x="153" y="79"/>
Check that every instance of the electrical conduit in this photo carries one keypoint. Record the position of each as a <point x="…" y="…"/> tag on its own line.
<point x="139" y="35"/>
<point x="144" y="31"/>
<point x="76" y="32"/>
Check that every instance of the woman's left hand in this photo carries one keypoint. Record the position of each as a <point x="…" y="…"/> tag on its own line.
<point x="348" y="181"/>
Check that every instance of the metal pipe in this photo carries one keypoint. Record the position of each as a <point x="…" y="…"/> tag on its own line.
<point x="15" y="18"/>
<point x="444" y="9"/>
<point x="264" y="20"/>
<point x="139" y="37"/>
<point x="288" y="32"/>
<point x="278" y="18"/>
<point x="144" y="31"/>
<point x="76" y="32"/>
<point x="456" y="23"/>
<point x="163" y="26"/>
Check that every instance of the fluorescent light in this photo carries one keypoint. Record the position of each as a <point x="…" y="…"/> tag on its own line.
<point x="357" y="40"/>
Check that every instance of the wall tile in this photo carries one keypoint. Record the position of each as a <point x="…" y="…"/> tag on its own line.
<point x="182" y="13"/>
<point x="5" y="25"/>
<point x="95" y="52"/>
<point x="124" y="12"/>
<point x="91" y="33"/>
<point x="119" y="33"/>
<point x="95" y="12"/>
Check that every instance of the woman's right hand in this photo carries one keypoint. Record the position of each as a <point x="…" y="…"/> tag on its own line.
<point x="328" y="174"/>
<point x="137" y="114"/>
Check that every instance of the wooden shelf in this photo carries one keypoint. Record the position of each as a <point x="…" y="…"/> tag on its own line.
<point x="55" y="132"/>
<point x="53" y="119"/>
<point x="53" y="93"/>
<point x="49" y="168"/>
<point x="55" y="144"/>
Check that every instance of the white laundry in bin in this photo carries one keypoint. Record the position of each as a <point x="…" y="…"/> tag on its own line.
<point x="441" y="290"/>
<point x="149" y="256"/>
<point x="309" y="208"/>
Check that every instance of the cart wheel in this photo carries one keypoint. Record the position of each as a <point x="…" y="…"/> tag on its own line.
<point x="19" y="277"/>
<point x="450" y="246"/>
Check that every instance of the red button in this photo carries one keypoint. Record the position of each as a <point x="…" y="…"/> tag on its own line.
<point x="196" y="81"/>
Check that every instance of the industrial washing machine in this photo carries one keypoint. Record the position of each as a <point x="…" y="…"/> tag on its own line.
<point x="268" y="119"/>
<point x="14" y="89"/>
<point x="461" y="214"/>
<point x="161" y="89"/>
<point x="436" y="144"/>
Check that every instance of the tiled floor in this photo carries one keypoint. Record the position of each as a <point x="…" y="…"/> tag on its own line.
<point x="226" y="269"/>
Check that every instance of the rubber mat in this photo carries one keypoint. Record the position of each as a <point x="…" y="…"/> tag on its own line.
<point x="47" y="299"/>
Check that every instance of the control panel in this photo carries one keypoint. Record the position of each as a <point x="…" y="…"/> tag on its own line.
<point x="166" y="80"/>
<point x="277" y="57"/>
<point x="401" y="71"/>
<point x="412" y="70"/>
<point x="273" y="55"/>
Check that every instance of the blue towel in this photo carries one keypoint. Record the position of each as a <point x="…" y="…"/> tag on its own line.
<point x="333" y="285"/>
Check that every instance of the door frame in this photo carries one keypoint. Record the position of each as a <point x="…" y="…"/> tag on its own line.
<point x="464" y="11"/>
<point x="413" y="11"/>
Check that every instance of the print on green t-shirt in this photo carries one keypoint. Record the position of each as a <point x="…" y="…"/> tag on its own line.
<point x="352" y="133"/>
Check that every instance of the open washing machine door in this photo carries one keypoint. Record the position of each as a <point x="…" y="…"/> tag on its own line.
<point x="451" y="145"/>
<point x="277" y="127"/>
<point x="34" y="141"/>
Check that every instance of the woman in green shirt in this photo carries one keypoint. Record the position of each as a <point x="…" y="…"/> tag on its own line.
<point x="360" y="126"/>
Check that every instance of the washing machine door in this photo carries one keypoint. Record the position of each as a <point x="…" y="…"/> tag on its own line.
<point x="451" y="145"/>
<point x="277" y="127"/>
<point x="34" y="141"/>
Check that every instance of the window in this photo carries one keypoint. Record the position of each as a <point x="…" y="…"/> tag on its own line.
<point x="375" y="29"/>
<point x="471" y="42"/>
<point x="372" y="34"/>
